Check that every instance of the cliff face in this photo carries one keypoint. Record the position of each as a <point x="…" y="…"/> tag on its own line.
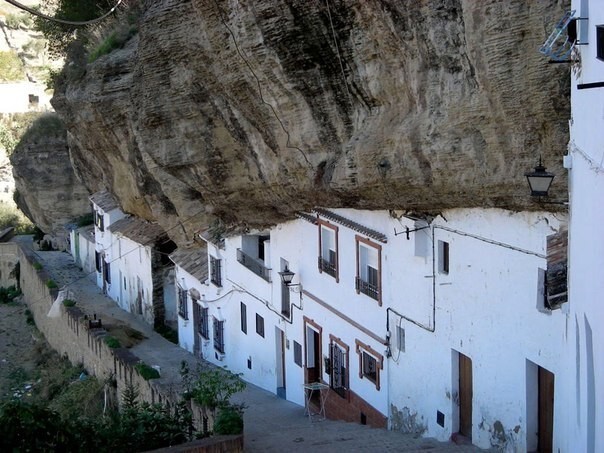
<point x="250" y="111"/>
<point x="47" y="190"/>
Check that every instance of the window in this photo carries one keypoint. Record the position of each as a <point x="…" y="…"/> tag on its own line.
<point x="182" y="303"/>
<point x="600" y="42"/>
<point x="254" y="255"/>
<point x="215" y="271"/>
<point x="98" y="261"/>
<point x="338" y="366"/>
<point x="259" y="325"/>
<point x="107" y="272"/>
<point x="368" y="280"/>
<point x="297" y="353"/>
<point x="400" y="338"/>
<point x="285" y="296"/>
<point x="443" y="257"/>
<point x="370" y="363"/>
<point x="99" y="221"/>
<point x="219" y="335"/>
<point x="328" y="249"/>
<point x="204" y="327"/>
<point x="243" y="318"/>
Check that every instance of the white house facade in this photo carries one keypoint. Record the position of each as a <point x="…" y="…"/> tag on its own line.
<point x="132" y="263"/>
<point x="584" y="411"/>
<point x="433" y="326"/>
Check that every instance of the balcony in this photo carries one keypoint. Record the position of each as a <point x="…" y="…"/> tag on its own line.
<point x="327" y="267"/>
<point x="370" y="290"/>
<point x="254" y="264"/>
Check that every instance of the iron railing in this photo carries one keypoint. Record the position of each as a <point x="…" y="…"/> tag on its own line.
<point x="367" y="288"/>
<point x="254" y="264"/>
<point x="327" y="267"/>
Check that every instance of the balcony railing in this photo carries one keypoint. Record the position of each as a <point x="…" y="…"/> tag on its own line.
<point x="364" y="287"/>
<point x="254" y="264"/>
<point x="327" y="267"/>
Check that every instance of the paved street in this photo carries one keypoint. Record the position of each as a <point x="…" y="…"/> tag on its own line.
<point x="271" y="424"/>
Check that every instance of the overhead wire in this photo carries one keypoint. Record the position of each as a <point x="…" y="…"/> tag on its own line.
<point x="63" y="21"/>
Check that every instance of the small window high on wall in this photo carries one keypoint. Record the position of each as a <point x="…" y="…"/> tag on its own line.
<point x="600" y="42"/>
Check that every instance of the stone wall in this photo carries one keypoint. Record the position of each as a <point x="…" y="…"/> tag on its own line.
<point x="71" y="334"/>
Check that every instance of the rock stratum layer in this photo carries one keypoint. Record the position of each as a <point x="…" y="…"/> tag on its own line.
<point x="47" y="190"/>
<point x="249" y="111"/>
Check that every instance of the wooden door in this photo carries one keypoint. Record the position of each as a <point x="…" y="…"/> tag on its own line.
<point x="546" y="410"/>
<point x="465" y="396"/>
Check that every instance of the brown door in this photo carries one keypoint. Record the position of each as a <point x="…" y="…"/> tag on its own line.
<point x="546" y="410"/>
<point x="465" y="396"/>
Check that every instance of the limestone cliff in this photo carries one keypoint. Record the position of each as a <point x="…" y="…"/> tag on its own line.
<point x="47" y="190"/>
<point x="251" y="110"/>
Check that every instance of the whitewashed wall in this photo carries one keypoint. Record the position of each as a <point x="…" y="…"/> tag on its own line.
<point x="584" y="411"/>
<point x="131" y="269"/>
<point x="104" y="243"/>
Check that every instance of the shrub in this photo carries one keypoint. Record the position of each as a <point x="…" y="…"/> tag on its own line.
<point x="168" y="333"/>
<point x="10" y="216"/>
<point x="37" y="266"/>
<point x="113" y="342"/>
<point x="69" y="302"/>
<point x="29" y="318"/>
<point x="8" y="294"/>
<point x="51" y="284"/>
<point x="146" y="371"/>
<point x="85" y="220"/>
<point x="228" y="421"/>
<point x="214" y="387"/>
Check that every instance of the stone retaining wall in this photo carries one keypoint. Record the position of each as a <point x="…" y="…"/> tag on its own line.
<point x="71" y="335"/>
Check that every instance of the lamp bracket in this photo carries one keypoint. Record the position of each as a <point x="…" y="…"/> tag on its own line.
<point x="407" y="231"/>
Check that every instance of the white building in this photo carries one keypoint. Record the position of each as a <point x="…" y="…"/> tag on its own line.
<point x="445" y="332"/>
<point x="83" y="246"/>
<point x="132" y="264"/>
<point x="584" y="411"/>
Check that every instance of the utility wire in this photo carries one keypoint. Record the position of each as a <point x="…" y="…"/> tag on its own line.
<point x="63" y="21"/>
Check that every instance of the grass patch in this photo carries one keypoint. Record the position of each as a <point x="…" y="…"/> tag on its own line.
<point x="37" y="266"/>
<point x="115" y="40"/>
<point x="11" y="68"/>
<point x="146" y="371"/>
<point x="69" y="302"/>
<point x="112" y="342"/>
<point x="168" y="333"/>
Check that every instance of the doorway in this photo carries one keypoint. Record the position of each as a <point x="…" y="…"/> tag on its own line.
<point x="545" y="410"/>
<point x="465" y="396"/>
<point x="313" y="352"/>
<point x="280" y="362"/>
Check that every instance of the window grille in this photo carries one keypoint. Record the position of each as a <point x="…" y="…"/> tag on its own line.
<point x="182" y="303"/>
<point x="215" y="271"/>
<point x="219" y="335"/>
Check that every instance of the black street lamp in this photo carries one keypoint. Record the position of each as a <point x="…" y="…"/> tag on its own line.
<point x="539" y="180"/>
<point x="286" y="276"/>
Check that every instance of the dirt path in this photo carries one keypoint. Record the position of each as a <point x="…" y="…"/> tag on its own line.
<point x="19" y="342"/>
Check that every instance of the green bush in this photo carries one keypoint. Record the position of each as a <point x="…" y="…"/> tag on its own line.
<point x="69" y="302"/>
<point x="8" y="294"/>
<point x="29" y="318"/>
<point x="214" y="387"/>
<point x="228" y="421"/>
<point x="113" y="342"/>
<point x="168" y="333"/>
<point x="146" y="371"/>
<point x="37" y="266"/>
<point x="51" y="284"/>
<point x="10" y="216"/>
<point x="85" y="220"/>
